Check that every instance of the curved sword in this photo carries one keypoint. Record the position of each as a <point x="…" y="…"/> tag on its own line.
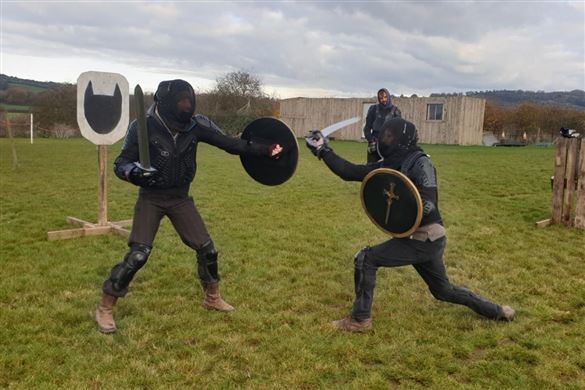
<point x="339" y="125"/>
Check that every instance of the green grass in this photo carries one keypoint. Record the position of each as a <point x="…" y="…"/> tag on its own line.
<point x="286" y="259"/>
<point x="27" y="87"/>
<point x="15" y="107"/>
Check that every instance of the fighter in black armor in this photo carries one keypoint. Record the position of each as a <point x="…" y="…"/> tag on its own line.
<point x="173" y="134"/>
<point x="398" y="149"/>
<point x="375" y="118"/>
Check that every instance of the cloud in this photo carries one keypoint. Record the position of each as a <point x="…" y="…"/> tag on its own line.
<point x="322" y="48"/>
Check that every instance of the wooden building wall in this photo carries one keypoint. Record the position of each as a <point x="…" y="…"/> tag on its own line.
<point x="462" y="122"/>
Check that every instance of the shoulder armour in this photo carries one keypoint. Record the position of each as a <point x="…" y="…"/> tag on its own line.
<point x="411" y="160"/>
<point x="206" y="123"/>
<point x="424" y="172"/>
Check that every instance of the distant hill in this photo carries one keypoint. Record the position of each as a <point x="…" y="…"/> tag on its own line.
<point x="7" y="82"/>
<point x="572" y="99"/>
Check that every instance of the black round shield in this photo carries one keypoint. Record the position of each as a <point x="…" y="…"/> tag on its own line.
<point x="392" y="202"/>
<point x="264" y="169"/>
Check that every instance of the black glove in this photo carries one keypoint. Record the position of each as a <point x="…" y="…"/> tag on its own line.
<point x="143" y="177"/>
<point x="317" y="144"/>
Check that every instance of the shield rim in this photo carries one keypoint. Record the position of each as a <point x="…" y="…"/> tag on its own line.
<point x="410" y="185"/>
<point x="296" y="144"/>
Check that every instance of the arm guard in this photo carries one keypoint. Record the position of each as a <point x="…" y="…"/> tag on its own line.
<point x="209" y="133"/>
<point x="345" y="169"/>
<point x="129" y="154"/>
<point x="424" y="177"/>
<point x="371" y="115"/>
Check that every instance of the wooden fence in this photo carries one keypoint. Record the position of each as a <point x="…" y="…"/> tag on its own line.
<point x="568" y="202"/>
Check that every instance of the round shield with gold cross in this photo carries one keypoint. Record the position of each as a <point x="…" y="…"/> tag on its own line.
<point x="391" y="201"/>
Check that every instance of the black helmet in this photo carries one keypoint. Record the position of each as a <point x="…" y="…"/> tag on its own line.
<point x="396" y="136"/>
<point x="167" y="97"/>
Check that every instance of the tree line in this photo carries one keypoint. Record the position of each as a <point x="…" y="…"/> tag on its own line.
<point x="540" y="123"/>
<point x="568" y="99"/>
<point x="237" y="99"/>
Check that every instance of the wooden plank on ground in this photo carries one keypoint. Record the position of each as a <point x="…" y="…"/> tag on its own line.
<point x="125" y="222"/>
<point x="79" y="222"/>
<point x="543" y="223"/>
<point x="120" y="231"/>
<point x="65" y="234"/>
<point x="96" y="231"/>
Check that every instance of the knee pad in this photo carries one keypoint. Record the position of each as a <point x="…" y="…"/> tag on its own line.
<point x="207" y="263"/>
<point x="359" y="258"/>
<point x="123" y="272"/>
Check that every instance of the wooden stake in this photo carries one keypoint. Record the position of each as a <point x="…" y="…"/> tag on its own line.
<point x="580" y="192"/>
<point x="14" y="156"/>
<point x="102" y="186"/>
<point x="559" y="180"/>
<point x="569" y="190"/>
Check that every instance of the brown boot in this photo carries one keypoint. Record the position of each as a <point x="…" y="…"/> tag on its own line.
<point x="507" y="314"/>
<point x="212" y="300"/>
<point x="350" y="324"/>
<point x="104" y="314"/>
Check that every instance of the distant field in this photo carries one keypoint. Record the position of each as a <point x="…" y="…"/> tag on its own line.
<point x="32" y="88"/>
<point x="286" y="260"/>
<point x="15" y="107"/>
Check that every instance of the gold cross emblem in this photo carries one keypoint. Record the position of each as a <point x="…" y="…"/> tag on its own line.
<point x="390" y="197"/>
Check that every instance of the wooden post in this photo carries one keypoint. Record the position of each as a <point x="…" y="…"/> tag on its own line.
<point x="570" y="170"/>
<point x="559" y="180"/>
<point x="31" y="128"/>
<point x="102" y="186"/>
<point x="568" y="202"/>
<point x="580" y="191"/>
<point x="14" y="155"/>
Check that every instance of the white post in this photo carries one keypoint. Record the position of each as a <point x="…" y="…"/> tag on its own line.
<point x="31" y="128"/>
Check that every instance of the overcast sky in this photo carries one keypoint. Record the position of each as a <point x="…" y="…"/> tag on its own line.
<point x="303" y="48"/>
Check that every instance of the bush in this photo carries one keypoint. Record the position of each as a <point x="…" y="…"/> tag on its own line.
<point x="62" y="131"/>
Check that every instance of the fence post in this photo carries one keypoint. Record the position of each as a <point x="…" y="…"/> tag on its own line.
<point x="580" y="193"/>
<point x="568" y="202"/>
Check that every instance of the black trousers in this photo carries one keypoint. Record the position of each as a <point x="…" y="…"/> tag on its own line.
<point x="150" y="210"/>
<point x="427" y="258"/>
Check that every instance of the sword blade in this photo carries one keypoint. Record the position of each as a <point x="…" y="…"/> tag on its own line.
<point x="143" y="151"/>
<point x="339" y="125"/>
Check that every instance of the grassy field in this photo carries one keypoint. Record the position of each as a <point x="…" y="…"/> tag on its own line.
<point x="286" y="259"/>
<point x="15" y="107"/>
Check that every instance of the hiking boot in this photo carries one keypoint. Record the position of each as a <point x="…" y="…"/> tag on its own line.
<point x="104" y="313"/>
<point x="507" y="313"/>
<point x="213" y="300"/>
<point x="350" y="324"/>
